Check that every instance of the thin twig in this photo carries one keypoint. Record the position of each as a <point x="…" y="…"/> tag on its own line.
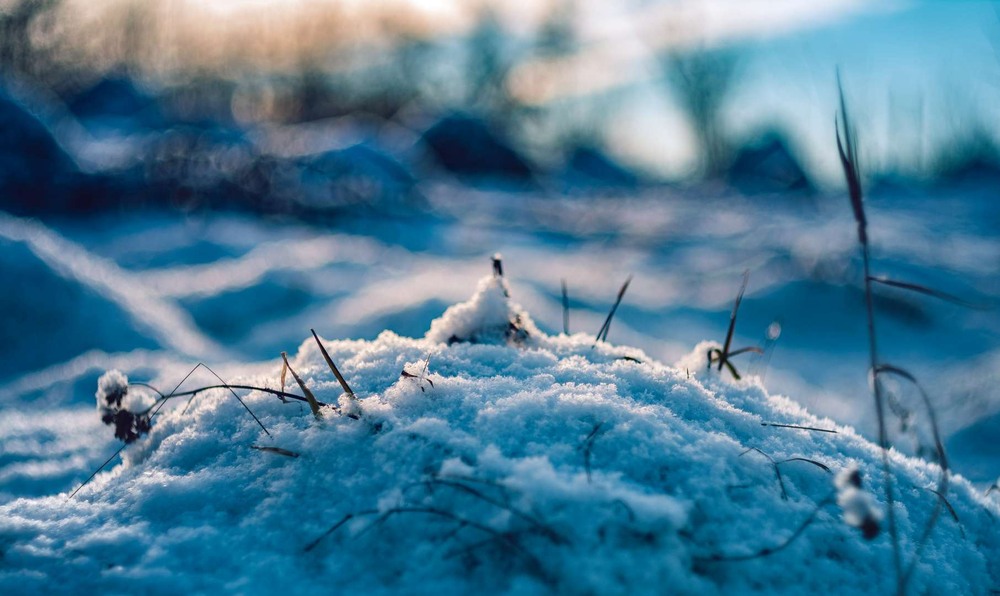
<point x="796" y="426"/>
<point x="951" y="510"/>
<point x="930" y="292"/>
<point x="275" y="392"/>
<point x="767" y="551"/>
<point x="777" y="472"/>
<point x="849" y="160"/>
<point x="97" y="471"/>
<point x="602" y="333"/>
<point x="337" y="526"/>
<point x="942" y="457"/>
<point x="226" y="385"/>
<point x="541" y="527"/>
<point x="823" y="467"/>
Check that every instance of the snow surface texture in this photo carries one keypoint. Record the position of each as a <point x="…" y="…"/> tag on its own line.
<point x="515" y="462"/>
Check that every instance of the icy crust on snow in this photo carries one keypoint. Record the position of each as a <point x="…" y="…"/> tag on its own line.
<point x="542" y="466"/>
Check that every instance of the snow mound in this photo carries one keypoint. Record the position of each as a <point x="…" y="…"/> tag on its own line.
<point x="489" y="317"/>
<point x="498" y="462"/>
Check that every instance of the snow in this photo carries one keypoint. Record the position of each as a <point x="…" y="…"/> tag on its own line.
<point x="514" y="461"/>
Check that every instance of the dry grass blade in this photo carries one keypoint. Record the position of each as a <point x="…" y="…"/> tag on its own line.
<point x="716" y="355"/>
<point x="754" y="349"/>
<point x="808" y="461"/>
<point x="929" y="292"/>
<point x="931" y="414"/>
<point x="97" y="471"/>
<point x="732" y="319"/>
<point x="602" y="333"/>
<point x="777" y="472"/>
<point x="767" y="551"/>
<point x="951" y="510"/>
<point x="588" y="447"/>
<point x="796" y="426"/>
<point x="277" y="450"/>
<point x="724" y="355"/>
<point x="224" y="384"/>
<point x="849" y="160"/>
<point x="284" y="374"/>
<point x="942" y="486"/>
<point x="313" y="404"/>
<point x="282" y="395"/>
<point x="337" y="526"/>
<point x="333" y="367"/>
<point x="421" y="377"/>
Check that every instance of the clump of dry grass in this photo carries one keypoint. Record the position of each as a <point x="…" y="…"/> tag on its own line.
<point x="847" y="150"/>
<point x="724" y="355"/>
<point x="162" y="398"/>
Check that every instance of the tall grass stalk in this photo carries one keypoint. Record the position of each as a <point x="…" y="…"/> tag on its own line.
<point x="849" y="161"/>
<point x="848" y="157"/>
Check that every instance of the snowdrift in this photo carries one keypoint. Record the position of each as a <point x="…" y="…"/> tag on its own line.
<point x="503" y="460"/>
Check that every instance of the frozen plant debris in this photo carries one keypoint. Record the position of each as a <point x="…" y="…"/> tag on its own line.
<point x="857" y="504"/>
<point x="117" y="408"/>
<point x="489" y="317"/>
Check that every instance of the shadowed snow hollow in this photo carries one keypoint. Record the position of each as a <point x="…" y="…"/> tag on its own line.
<point x="504" y="460"/>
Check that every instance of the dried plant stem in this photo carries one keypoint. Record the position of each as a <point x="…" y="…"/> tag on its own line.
<point x="767" y="551"/>
<point x="283" y="395"/>
<point x="97" y="471"/>
<point x="849" y="161"/>
<point x="313" y="404"/>
<point x="588" y="448"/>
<point x="336" y="527"/>
<point x="333" y="367"/>
<point x="602" y="333"/>
<point x="796" y="426"/>
<point x="724" y="355"/>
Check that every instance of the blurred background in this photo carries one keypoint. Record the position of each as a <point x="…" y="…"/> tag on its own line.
<point x="184" y="181"/>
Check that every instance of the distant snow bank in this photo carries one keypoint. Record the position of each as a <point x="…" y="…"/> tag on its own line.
<point x="506" y="460"/>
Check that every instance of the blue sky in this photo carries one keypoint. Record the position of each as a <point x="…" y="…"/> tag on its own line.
<point x="916" y="75"/>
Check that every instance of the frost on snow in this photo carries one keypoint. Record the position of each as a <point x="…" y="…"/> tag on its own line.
<point x="532" y="464"/>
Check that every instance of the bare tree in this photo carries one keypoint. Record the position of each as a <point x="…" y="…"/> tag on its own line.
<point x="701" y="81"/>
